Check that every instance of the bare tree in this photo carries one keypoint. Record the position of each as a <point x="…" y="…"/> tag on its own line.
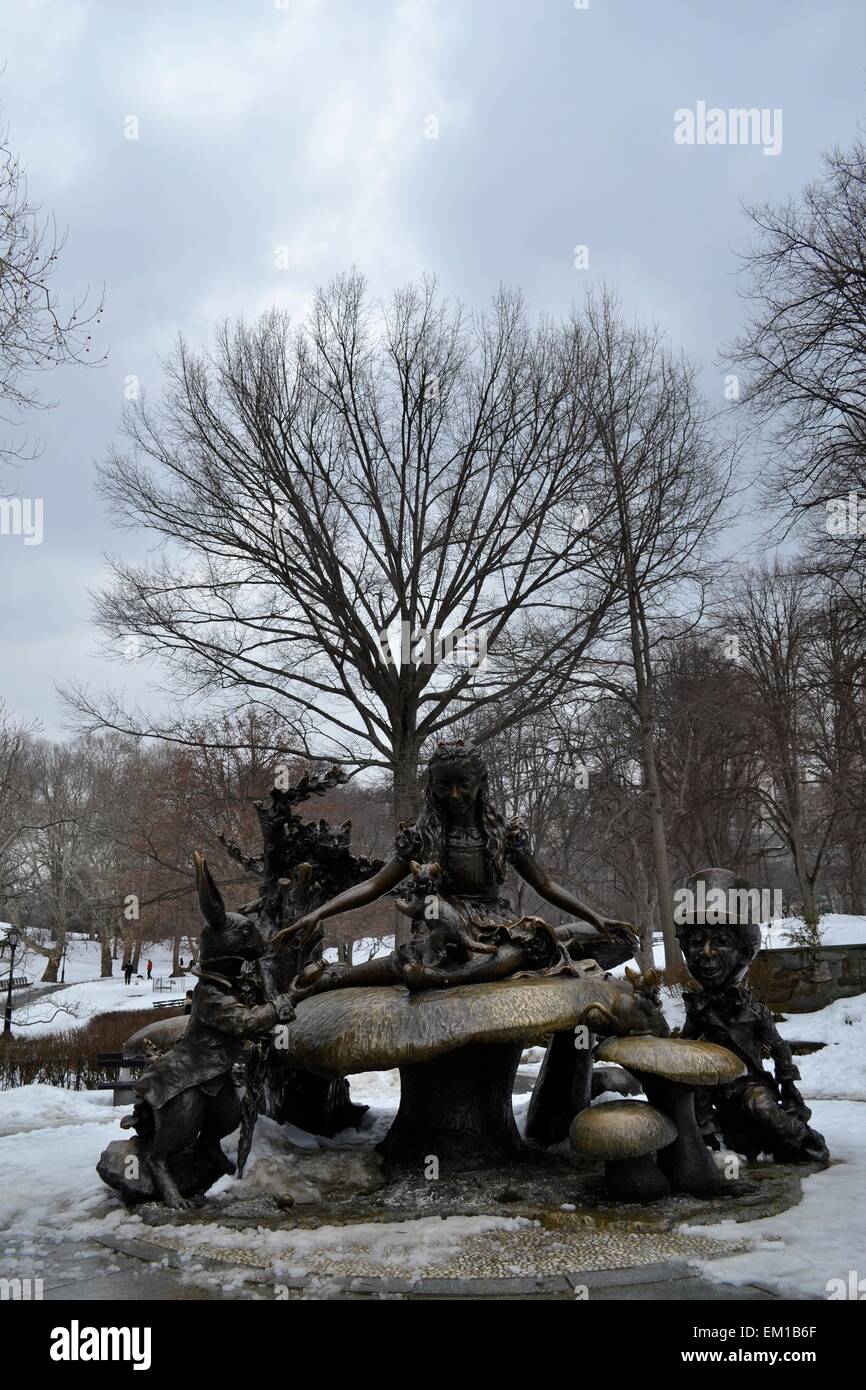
<point x="17" y="810"/>
<point x="804" y="348"/>
<point x="403" y="474"/>
<point x="776" y="618"/>
<point x="668" y="474"/>
<point x="37" y="332"/>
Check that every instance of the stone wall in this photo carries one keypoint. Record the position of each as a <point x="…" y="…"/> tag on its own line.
<point x="799" y="980"/>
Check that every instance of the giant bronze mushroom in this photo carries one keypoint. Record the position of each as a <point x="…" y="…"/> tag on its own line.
<point x="457" y="1050"/>
<point x="669" y="1069"/>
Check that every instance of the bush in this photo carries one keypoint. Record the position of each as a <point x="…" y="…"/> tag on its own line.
<point x="69" y="1058"/>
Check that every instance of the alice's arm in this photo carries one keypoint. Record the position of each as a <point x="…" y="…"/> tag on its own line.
<point x="538" y="878"/>
<point x="359" y="895"/>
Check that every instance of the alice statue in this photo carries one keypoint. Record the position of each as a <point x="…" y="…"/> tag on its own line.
<point x="464" y="931"/>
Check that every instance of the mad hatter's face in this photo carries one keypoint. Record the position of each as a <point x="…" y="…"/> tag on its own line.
<point x="716" y="956"/>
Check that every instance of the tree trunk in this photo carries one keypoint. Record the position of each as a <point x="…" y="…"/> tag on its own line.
<point x="406" y="794"/>
<point x="805" y="880"/>
<point x="644" y="917"/>
<point x="857" y="880"/>
<point x="106" y="960"/>
<point x="673" y="956"/>
<point x="175" y="954"/>
<point x="406" y="808"/>
<point x="52" y="965"/>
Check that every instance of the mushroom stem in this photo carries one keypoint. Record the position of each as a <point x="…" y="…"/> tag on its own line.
<point x="635" y="1179"/>
<point x="457" y="1108"/>
<point x="687" y="1162"/>
<point x="562" y="1090"/>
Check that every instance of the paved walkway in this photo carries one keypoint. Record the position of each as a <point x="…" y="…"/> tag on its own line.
<point x="136" y="1270"/>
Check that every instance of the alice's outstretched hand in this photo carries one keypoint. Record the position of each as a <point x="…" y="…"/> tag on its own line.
<point x="301" y="930"/>
<point x="611" y="926"/>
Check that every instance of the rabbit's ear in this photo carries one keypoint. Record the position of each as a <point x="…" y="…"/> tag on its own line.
<point x="210" y="899"/>
<point x="434" y="870"/>
<point x="414" y="866"/>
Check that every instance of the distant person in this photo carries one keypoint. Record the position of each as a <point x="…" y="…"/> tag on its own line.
<point x="180" y="967"/>
<point x="187" y="1008"/>
<point x="127" y="971"/>
<point x="149" y="968"/>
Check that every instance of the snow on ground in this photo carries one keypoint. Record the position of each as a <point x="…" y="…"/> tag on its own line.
<point x="824" y="1236"/>
<point x="835" y="929"/>
<point x="410" y="1246"/>
<point x="838" y="1071"/>
<point x="85" y="993"/>
<point x="50" y="1140"/>
<point x="73" y="1006"/>
<point x="83" y="960"/>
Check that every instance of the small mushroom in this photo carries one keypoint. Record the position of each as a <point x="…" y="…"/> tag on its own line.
<point x="669" y="1069"/>
<point x="627" y="1134"/>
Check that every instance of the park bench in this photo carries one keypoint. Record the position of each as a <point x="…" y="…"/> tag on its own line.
<point x="18" y="982"/>
<point x="168" y="1003"/>
<point x="123" y="1068"/>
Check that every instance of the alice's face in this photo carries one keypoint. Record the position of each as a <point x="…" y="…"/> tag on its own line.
<point x="455" y="788"/>
<point x="715" y="956"/>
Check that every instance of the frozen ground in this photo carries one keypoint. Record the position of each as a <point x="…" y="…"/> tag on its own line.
<point x="85" y="993"/>
<point x="51" y="1198"/>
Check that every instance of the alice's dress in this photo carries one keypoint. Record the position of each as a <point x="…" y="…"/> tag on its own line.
<point x="469" y="885"/>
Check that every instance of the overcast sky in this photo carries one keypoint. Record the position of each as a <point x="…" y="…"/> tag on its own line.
<point x="305" y="124"/>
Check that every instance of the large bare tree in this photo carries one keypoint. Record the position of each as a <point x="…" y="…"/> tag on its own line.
<point x="342" y="503"/>
<point x="804" y="349"/>
<point x="667" y="472"/>
<point x="802" y="714"/>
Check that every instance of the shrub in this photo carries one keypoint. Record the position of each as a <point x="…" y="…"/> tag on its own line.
<point x="69" y="1057"/>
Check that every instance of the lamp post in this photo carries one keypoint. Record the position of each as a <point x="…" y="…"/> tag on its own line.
<point x="63" y="961"/>
<point x="12" y="939"/>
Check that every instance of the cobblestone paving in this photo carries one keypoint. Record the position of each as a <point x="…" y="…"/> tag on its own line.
<point x="531" y="1251"/>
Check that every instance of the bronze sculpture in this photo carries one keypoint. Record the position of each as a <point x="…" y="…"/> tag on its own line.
<point x="758" y="1112"/>
<point x="464" y="930"/>
<point x="187" y="1099"/>
<point x="302" y="863"/>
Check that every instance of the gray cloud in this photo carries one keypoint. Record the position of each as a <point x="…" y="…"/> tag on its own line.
<point x="305" y="127"/>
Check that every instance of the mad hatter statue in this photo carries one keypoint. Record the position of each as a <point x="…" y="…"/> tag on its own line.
<point x="760" y="1112"/>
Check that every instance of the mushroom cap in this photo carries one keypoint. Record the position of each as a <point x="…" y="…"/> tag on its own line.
<point x="374" y="1028"/>
<point x="621" y="1129"/>
<point x="162" y="1034"/>
<point x="676" y="1059"/>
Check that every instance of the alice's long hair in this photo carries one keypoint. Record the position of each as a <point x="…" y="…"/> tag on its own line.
<point x="429" y="830"/>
